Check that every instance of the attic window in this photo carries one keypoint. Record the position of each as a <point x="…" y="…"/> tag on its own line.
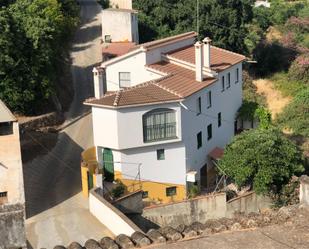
<point x="6" y="128"/>
<point x="124" y="79"/>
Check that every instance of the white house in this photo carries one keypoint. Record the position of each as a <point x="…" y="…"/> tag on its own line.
<point x="164" y="111"/>
<point x="119" y="25"/>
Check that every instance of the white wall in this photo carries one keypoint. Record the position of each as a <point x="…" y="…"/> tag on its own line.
<point x="123" y="128"/>
<point x="227" y="102"/>
<point x="171" y="170"/>
<point x="135" y="65"/>
<point x="121" y="4"/>
<point x="120" y="25"/>
<point x="110" y="216"/>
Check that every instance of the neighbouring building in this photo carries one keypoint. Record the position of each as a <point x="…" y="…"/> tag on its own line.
<point x="163" y="112"/>
<point x="119" y="25"/>
<point x="12" y="199"/>
<point x="121" y="4"/>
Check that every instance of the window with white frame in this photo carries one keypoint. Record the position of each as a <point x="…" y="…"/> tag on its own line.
<point x="124" y="79"/>
<point x="208" y="100"/>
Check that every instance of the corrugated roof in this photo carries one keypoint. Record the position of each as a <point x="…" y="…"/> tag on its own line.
<point x="5" y="114"/>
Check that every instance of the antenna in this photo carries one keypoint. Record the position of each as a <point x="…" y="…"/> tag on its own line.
<point x="197" y="17"/>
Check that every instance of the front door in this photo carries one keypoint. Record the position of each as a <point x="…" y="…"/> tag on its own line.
<point x="108" y="163"/>
<point x="203" y="174"/>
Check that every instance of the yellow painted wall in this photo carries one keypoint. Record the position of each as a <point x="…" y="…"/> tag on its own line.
<point x="85" y="189"/>
<point x="156" y="190"/>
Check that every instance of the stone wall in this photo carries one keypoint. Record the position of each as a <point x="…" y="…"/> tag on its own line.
<point x="42" y="122"/>
<point x="131" y="203"/>
<point x="12" y="226"/>
<point x="304" y="190"/>
<point x="247" y="203"/>
<point x="186" y="212"/>
<point x="109" y="215"/>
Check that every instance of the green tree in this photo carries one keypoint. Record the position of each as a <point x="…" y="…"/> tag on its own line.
<point x="264" y="159"/>
<point x="224" y="21"/>
<point x="33" y="40"/>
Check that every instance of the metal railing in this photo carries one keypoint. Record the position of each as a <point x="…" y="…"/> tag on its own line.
<point x="159" y="132"/>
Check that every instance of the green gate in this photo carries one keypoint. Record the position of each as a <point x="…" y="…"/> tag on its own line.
<point x="108" y="165"/>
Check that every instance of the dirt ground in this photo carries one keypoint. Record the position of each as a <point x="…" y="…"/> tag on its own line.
<point x="274" y="99"/>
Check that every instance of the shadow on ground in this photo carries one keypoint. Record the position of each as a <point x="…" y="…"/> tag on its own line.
<point x="52" y="178"/>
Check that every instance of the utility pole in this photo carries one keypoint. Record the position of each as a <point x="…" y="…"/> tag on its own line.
<point x="197" y="17"/>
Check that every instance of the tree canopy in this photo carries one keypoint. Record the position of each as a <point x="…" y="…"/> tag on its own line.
<point x="31" y="32"/>
<point x="265" y="159"/>
<point x="224" y="21"/>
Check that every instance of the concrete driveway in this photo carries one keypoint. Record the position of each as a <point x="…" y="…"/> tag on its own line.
<point x="56" y="212"/>
<point x="62" y="224"/>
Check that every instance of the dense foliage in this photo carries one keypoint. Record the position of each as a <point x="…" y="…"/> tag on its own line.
<point x="264" y="159"/>
<point x="224" y="21"/>
<point x="296" y="115"/>
<point x="34" y="36"/>
<point x="299" y="70"/>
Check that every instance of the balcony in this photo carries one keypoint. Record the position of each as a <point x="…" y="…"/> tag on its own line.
<point x="159" y="132"/>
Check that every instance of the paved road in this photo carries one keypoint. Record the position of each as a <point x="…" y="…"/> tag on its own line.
<point x="52" y="179"/>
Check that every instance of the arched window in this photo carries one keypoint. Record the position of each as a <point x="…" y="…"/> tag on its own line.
<point x="159" y="124"/>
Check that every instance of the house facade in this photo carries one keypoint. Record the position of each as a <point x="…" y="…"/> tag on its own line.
<point x="162" y="110"/>
<point x="12" y="197"/>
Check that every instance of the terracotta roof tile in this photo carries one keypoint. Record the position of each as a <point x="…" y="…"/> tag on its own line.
<point x="165" y="41"/>
<point x="117" y="48"/>
<point x="220" y="59"/>
<point x="146" y="93"/>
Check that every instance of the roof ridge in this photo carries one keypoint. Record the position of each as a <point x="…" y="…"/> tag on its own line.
<point x="228" y="51"/>
<point x="117" y="98"/>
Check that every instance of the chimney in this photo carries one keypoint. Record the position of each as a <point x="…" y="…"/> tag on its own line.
<point x="206" y="46"/>
<point x="98" y="78"/>
<point x="198" y="61"/>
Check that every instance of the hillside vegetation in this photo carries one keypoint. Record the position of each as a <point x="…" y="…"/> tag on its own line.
<point x="34" y="40"/>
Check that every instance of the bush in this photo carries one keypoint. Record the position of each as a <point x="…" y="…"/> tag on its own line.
<point x="250" y="90"/>
<point x="119" y="190"/>
<point x="264" y="159"/>
<point x="299" y="70"/>
<point x="194" y="191"/>
<point x="295" y="116"/>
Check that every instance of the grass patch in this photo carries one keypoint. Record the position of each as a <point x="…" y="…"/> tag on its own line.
<point x="286" y="86"/>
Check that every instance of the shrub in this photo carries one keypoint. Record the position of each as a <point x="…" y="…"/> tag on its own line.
<point x="119" y="190"/>
<point x="299" y="69"/>
<point x="264" y="159"/>
<point x="194" y="191"/>
<point x="296" y="115"/>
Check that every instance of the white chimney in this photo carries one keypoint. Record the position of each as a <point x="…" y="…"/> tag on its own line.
<point x="98" y="78"/>
<point x="206" y="45"/>
<point x="198" y="61"/>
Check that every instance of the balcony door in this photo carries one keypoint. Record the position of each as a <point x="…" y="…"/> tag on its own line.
<point x="108" y="163"/>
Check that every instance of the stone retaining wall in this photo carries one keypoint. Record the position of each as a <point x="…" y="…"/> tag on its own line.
<point x="12" y="226"/>
<point x="170" y="234"/>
